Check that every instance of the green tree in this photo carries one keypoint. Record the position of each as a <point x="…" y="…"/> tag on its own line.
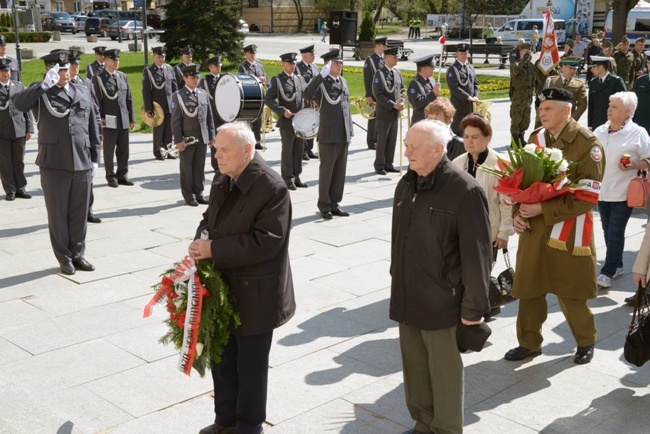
<point x="367" y="30"/>
<point x="209" y="26"/>
<point x="619" y="18"/>
<point x="328" y="6"/>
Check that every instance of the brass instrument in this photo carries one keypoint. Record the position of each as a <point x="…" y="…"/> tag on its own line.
<point x="366" y="110"/>
<point x="267" y="115"/>
<point x="158" y="116"/>
<point x="482" y="107"/>
<point x="173" y="150"/>
<point x="403" y="98"/>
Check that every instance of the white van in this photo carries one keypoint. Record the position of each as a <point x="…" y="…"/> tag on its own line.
<point x="513" y="30"/>
<point x="638" y="24"/>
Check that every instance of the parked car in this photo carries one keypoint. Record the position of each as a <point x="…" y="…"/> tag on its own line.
<point x="153" y="20"/>
<point x="243" y="27"/>
<point x="79" y="23"/>
<point x="128" y="30"/>
<point x="64" y="22"/>
<point x="97" y="26"/>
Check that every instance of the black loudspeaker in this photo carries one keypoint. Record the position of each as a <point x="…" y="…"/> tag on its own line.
<point x="343" y="28"/>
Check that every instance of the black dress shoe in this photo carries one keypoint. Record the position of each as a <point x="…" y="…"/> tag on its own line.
<point x="92" y="218"/>
<point x="391" y="169"/>
<point x="112" y="183"/>
<point x="83" y="265"/>
<point x="327" y="215"/>
<point x="10" y="197"/>
<point x="339" y="212"/>
<point x="291" y="186"/>
<point x="305" y="157"/>
<point x="520" y="353"/>
<point x="372" y="147"/>
<point x="192" y="202"/>
<point x="218" y="429"/>
<point x="67" y="268"/>
<point x="380" y="172"/>
<point x="311" y="155"/>
<point x="160" y="157"/>
<point x="584" y="355"/>
<point x="124" y="181"/>
<point x="301" y="184"/>
<point x="258" y="146"/>
<point x="23" y="195"/>
<point x="202" y="200"/>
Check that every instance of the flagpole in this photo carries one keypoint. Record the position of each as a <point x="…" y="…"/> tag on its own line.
<point x="442" y="40"/>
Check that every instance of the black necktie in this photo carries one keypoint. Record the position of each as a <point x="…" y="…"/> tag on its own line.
<point x="564" y="82"/>
<point x="7" y="88"/>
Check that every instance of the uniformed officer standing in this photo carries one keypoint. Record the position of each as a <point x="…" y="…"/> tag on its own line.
<point x="75" y="60"/>
<point x="116" y="107"/>
<point x="387" y="86"/>
<point x="307" y="70"/>
<point x="250" y="66"/>
<point x="566" y="80"/>
<point x="68" y="145"/>
<point x="601" y="87"/>
<point x="16" y="128"/>
<point x="285" y="97"/>
<point x="158" y="85"/>
<point x="187" y="53"/>
<point x="593" y="49"/>
<point x="192" y="117"/>
<point x="522" y="74"/>
<point x="209" y="84"/>
<point x="463" y="87"/>
<point x="642" y="90"/>
<point x="98" y="65"/>
<point x="608" y="49"/>
<point x="624" y="62"/>
<point x="373" y="63"/>
<point x="331" y="92"/>
<point x="15" y="71"/>
<point x="423" y="89"/>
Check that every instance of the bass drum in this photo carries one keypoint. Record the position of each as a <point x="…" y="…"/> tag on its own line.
<point x="306" y="123"/>
<point x="239" y="98"/>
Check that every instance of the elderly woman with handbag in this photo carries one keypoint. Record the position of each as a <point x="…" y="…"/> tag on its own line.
<point x="627" y="150"/>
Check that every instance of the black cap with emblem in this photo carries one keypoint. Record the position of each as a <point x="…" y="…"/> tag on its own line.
<point x="382" y="40"/>
<point x="5" y="64"/>
<point x="425" y="61"/>
<point x="555" y="94"/>
<point x="462" y="47"/>
<point x="75" y="56"/>
<point x="113" y="53"/>
<point x="215" y="60"/>
<point x="57" y="58"/>
<point x="99" y="50"/>
<point x="289" y="57"/>
<point x="393" y="51"/>
<point x="252" y="48"/>
<point x="194" y="70"/>
<point x="307" y="49"/>
<point x="160" y="51"/>
<point x="187" y="50"/>
<point x="333" y="54"/>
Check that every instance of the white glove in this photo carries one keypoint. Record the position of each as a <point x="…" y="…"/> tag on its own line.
<point x="51" y="78"/>
<point x="326" y="69"/>
<point x="94" y="171"/>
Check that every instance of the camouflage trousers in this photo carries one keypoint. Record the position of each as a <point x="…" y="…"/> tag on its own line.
<point x="520" y="112"/>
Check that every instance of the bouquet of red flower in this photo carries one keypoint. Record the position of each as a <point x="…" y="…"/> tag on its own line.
<point x="201" y="312"/>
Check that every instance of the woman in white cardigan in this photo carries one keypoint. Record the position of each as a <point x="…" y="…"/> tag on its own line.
<point x="477" y="134"/>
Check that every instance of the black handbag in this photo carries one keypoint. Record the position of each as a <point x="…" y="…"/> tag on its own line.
<point x="501" y="286"/>
<point x="637" y="341"/>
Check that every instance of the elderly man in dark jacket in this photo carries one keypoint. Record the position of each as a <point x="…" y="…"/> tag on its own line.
<point x="248" y="222"/>
<point x="440" y="267"/>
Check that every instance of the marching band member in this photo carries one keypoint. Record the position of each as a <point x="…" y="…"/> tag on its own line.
<point x="307" y="70"/>
<point x="373" y="63"/>
<point x="97" y="66"/>
<point x="192" y="117"/>
<point x="285" y="98"/>
<point x="423" y="89"/>
<point x="187" y="53"/>
<point x="463" y="87"/>
<point x="331" y="92"/>
<point x="250" y="66"/>
<point x="386" y="87"/>
<point x="209" y="84"/>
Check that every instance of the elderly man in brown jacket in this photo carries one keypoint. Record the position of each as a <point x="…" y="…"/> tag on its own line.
<point x="440" y="268"/>
<point x="248" y="222"/>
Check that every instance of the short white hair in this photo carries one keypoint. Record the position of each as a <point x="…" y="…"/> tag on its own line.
<point x="438" y="132"/>
<point x="242" y="130"/>
<point x="629" y="100"/>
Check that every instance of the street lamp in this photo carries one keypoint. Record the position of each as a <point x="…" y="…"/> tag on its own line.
<point x="18" y="55"/>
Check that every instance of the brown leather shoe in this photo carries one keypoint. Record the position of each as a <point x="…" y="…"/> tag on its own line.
<point x="218" y="429"/>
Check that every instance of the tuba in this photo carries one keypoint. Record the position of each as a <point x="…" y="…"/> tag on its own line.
<point x="366" y="110"/>
<point x="482" y="108"/>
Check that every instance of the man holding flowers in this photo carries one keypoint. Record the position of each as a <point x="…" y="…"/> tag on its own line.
<point x="556" y="251"/>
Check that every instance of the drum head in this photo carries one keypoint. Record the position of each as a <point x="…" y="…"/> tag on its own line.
<point x="228" y="97"/>
<point x="305" y="123"/>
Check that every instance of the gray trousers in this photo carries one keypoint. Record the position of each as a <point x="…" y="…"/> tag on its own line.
<point x="371" y="135"/>
<point x="12" y="164"/>
<point x="192" y="164"/>
<point x="67" y="195"/>
<point x="433" y="379"/>
<point x="291" y="159"/>
<point x="386" y="140"/>
<point x="116" y="142"/>
<point x="331" y="174"/>
<point x="162" y="135"/>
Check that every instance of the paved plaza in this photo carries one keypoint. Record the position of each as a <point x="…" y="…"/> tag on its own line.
<point x="76" y="356"/>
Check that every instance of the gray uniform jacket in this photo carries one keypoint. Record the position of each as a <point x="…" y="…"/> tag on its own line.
<point x="178" y="73"/>
<point x="88" y="84"/>
<point x="209" y="84"/>
<point x="247" y="68"/>
<point x="13" y="122"/>
<point x="373" y="63"/>
<point x="15" y="72"/>
<point x="285" y="92"/>
<point x="192" y="116"/>
<point x="66" y="138"/>
<point x="420" y="94"/>
<point x="386" y="87"/>
<point x="334" y="106"/>
<point x="94" y="68"/>
<point x="114" y="98"/>
<point x="462" y="85"/>
<point x="158" y="85"/>
<point x="307" y="70"/>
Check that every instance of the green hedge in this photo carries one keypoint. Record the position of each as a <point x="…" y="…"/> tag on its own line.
<point x="28" y="36"/>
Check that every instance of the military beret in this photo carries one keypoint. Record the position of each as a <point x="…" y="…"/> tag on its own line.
<point x="463" y="47"/>
<point x="161" y="51"/>
<point x="99" y="50"/>
<point x="289" y="57"/>
<point x="307" y="49"/>
<point x="391" y="51"/>
<point x="5" y="64"/>
<point x="333" y="54"/>
<point x="113" y="53"/>
<point x="193" y="70"/>
<point x="57" y="58"/>
<point x="382" y="40"/>
<point x="3" y="40"/>
<point x="252" y="48"/>
<point x="625" y="39"/>
<point x="75" y="56"/>
<point x="555" y="94"/>
<point x="215" y="60"/>
<point x="187" y="50"/>
<point x="425" y="61"/>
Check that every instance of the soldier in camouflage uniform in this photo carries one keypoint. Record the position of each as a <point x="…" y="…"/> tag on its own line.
<point x="624" y="62"/>
<point x="521" y="92"/>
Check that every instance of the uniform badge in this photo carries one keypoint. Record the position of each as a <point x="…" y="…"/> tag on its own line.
<point x="596" y="153"/>
<point x="413" y="90"/>
<point x="270" y="84"/>
<point x="376" y="80"/>
<point x="63" y="56"/>
<point x="173" y="104"/>
<point x="449" y="74"/>
<point x="365" y="65"/>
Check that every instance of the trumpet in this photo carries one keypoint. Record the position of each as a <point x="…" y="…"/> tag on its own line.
<point x="367" y="110"/>
<point x="171" y="148"/>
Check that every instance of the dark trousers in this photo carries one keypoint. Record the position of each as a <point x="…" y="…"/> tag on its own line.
<point x="371" y="135"/>
<point x="91" y="200"/>
<point x="461" y="112"/>
<point x="614" y="217"/>
<point x="67" y="195"/>
<point x="308" y="145"/>
<point x="386" y="140"/>
<point x="116" y="142"/>
<point x="12" y="164"/>
<point x="162" y="135"/>
<point x="213" y="159"/>
<point x="241" y="382"/>
<point x="257" y="128"/>
<point x="291" y="159"/>
<point x="331" y="174"/>
<point x="192" y="164"/>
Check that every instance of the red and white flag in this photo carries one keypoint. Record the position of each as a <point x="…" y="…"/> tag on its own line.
<point x="442" y="39"/>
<point x="550" y="54"/>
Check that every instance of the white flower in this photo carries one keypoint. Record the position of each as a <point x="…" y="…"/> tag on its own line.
<point x="530" y="148"/>
<point x="555" y="155"/>
<point x="564" y="166"/>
